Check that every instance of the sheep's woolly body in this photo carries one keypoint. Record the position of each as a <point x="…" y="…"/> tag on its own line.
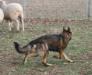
<point x="13" y="12"/>
<point x="1" y="15"/>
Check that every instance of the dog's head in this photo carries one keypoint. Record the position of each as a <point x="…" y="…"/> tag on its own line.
<point x="67" y="33"/>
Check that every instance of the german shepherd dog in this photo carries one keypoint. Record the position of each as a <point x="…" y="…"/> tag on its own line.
<point x="46" y="43"/>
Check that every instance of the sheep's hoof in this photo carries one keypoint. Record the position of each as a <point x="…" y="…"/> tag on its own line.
<point x="10" y="30"/>
<point x="17" y="31"/>
<point x="23" y="30"/>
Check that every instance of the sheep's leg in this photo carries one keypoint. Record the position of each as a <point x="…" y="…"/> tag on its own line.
<point x="22" y="25"/>
<point x="10" y="26"/>
<point x="18" y="25"/>
<point x="2" y="22"/>
<point x="21" y="19"/>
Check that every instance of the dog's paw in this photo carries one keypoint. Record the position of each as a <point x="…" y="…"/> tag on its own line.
<point x="47" y="64"/>
<point x="71" y="61"/>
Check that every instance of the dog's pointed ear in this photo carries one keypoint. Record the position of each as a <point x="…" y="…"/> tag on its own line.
<point x="68" y="29"/>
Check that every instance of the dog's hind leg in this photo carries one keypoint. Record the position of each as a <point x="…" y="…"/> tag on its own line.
<point x="25" y="58"/>
<point x="29" y="53"/>
<point x="44" y="55"/>
<point x="44" y="60"/>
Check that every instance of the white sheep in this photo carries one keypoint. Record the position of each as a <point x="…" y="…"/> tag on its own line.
<point x="13" y="12"/>
<point x="1" y="15"/>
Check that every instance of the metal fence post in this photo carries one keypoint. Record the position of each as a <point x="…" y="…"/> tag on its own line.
<point x="89" y="6"/>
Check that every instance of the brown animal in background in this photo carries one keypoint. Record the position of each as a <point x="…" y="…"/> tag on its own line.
<point x="46" y="43"/>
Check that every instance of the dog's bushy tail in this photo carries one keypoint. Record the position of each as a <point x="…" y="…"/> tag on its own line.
<point x="18" y="48"/>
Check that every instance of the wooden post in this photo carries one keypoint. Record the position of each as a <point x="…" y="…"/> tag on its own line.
<point x="89" y="6"/>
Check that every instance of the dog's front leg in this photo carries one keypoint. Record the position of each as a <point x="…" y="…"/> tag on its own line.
<point x="66" y="57"/>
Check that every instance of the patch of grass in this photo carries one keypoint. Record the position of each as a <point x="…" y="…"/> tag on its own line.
<point x="79" y="49"/>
